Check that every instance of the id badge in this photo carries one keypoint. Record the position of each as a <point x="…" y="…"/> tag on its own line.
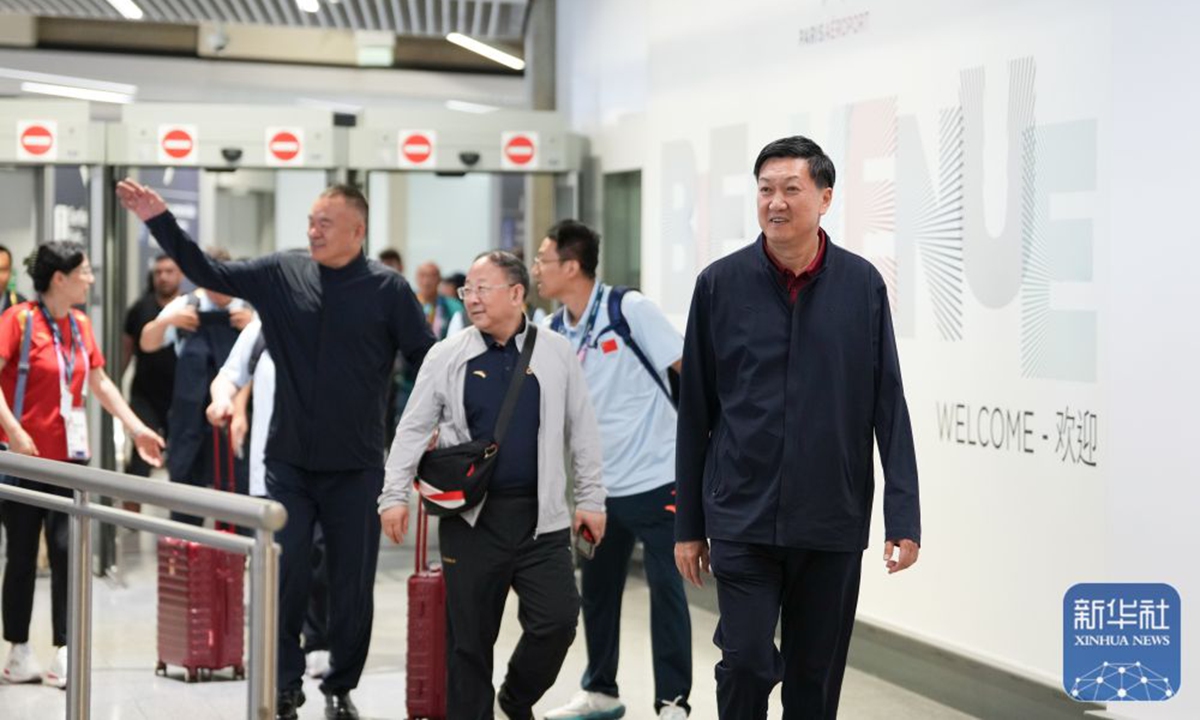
<point x="77" y="434"/>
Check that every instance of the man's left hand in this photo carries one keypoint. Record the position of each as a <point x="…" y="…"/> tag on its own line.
<point x="593" y="521"/>
<point x="908" y="555"/>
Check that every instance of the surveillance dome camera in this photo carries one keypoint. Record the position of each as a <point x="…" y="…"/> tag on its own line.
<point x="218" y="39"/>
<point x="231" y="154"/>
<point x="469" y="158"/>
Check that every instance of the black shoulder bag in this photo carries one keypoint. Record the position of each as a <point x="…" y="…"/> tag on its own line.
<point x="455" y="479"/>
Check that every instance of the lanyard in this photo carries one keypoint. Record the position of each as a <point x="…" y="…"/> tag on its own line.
<point x="66" y="360"/>
<point x="585" y="341"/>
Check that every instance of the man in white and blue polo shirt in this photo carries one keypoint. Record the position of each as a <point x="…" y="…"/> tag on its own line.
<point x="628" y="350"/>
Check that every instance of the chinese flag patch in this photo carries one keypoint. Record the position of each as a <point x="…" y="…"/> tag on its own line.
<point x="609" y="346"/>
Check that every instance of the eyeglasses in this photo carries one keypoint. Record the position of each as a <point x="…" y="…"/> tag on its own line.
<point x="543" y="261"/>
<point x="481" y="291"/>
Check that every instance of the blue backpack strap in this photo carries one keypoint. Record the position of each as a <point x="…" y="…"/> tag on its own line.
<point x="23" y="366"/>
<point x="556" y="320"/>
<point x="616" y="321"/>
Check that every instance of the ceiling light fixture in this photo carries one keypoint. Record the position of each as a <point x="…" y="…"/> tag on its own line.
<point x="487" y="51"/>
<point x="128" y="9"/>
<point x="76" y="93"/>
<point x="470" y="107"/>
<point x="308" y="6"/>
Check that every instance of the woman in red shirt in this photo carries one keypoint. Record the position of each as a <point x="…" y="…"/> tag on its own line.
<point x="64" y="364"/>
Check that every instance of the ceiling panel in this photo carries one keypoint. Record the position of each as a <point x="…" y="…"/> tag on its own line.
<point x="500" y="20"/>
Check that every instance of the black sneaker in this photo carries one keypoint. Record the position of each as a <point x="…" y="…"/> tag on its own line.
<point x="287" y="702"/>
<point x="339" y="706"/>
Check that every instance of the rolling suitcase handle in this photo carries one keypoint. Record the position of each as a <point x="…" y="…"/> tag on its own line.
<point x="422" y="536"/>
<point x="231" y="482"/>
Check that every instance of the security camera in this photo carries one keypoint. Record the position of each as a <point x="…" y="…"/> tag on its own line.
<point x="231" y="154"/>
<point x="469" y="158"/>
<point x="218" y="39"/>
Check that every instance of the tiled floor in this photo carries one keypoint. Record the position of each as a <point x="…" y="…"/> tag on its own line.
<point x="126" y="688"/>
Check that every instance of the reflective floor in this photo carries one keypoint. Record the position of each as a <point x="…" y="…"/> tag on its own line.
<point x="124" y="686"/>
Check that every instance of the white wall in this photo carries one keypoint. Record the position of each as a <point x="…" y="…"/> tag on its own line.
<point x="1059" y="284"/>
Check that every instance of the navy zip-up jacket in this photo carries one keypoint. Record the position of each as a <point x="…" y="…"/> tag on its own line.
<point x="780" y="404"/>
<point x="333" y="334"/>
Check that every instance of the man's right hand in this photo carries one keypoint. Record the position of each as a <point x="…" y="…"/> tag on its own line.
<point x="691" y="558"/>
<point x="141" y="200"/>
<point x="395" y="523"/>
<point x="219" y="411"/>
<point x="184" y="318"/>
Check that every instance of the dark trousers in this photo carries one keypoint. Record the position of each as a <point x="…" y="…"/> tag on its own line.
<point x="344" y="503"/>
<point x="316" y="621"/>
<point x="481" y="563"/>
<point x="818" y="594"/>
<point x="23" y="527"/>
<point x="646" y="517"/>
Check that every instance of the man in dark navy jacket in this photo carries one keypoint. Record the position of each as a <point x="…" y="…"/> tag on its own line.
<point x="790" y="372"/>
<point x="333" y="324"/>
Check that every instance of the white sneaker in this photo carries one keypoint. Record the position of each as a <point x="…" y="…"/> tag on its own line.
<point x="58" y="669"/>
<point x="672" y="710"/>
<point x="318" y="663"/>
<point x="22" y="665"/>
<point x="589" y="706"/>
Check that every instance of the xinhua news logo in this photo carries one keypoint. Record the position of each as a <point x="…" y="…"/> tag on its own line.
<point x="1121" y="642"/>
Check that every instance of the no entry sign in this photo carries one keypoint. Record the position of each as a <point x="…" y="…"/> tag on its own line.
<point x="519" y="150"/>
<point x="285" y="146"/>
<point x="417" y="148"/>
<point x="177" y="144"/>
<point x="37" y="140"/>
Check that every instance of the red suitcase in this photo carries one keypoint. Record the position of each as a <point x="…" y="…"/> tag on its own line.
<point x="201" y="608"/>
<point x="426" y="633"/>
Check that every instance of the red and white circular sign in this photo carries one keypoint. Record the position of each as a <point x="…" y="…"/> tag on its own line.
<point x="519" y="150"/>
<point x="37" y="140"/>
<point x="284" y="146"/>
<point x="416" y="148"/>
<point x="178" y="143"/>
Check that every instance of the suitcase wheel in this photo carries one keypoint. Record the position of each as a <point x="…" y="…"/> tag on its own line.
<point x="161" y="668"/>
<point x="239" y="672"/>
<point x="192" y="675"/>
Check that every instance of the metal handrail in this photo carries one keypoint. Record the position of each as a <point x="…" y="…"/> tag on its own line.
<point x="265" y="516"/>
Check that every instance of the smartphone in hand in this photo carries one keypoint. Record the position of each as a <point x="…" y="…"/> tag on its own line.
<point x="585" y="544"/>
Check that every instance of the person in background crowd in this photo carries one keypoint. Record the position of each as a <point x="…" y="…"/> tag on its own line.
<point x="8" y="285"/>
<point x="154" y="375"/>
<point x="42" y="413"/>
<point x="201" y="327"/>
<point x="249" y="375"/>
<point x="392" y="258"/>
<point x="443" y="314"/>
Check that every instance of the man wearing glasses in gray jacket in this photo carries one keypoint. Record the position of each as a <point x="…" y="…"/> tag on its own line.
<point x="519" y="537"/>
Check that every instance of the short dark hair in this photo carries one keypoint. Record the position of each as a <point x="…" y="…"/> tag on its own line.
<point x="514" y="270"/>
<point x="48" y="258"/>
<point x="353" y="197"/>
<point x="575" y="241"/>
<point x="390" y="255"/>
<point x="820" y="167"/>
<point x="162" y="256"/>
